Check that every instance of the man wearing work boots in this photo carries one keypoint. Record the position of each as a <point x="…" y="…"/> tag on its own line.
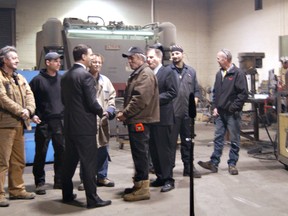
<point x="16" y="107"/>
<point x="229" y="95"/>
<point x="141" y="108"/>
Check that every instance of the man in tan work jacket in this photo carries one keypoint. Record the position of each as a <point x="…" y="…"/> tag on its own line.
<point x="16" y="106"/>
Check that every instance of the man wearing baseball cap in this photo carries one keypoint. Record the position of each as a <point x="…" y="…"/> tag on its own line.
<point x="49" y="119"/>
<point x="132" y="51"/>
<point x="141" y="109"/>
<point x="53" y="56"/>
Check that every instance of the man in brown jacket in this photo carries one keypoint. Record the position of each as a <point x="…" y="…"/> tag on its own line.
<point x="141" y="109"/>
<point x="16" y="106"/>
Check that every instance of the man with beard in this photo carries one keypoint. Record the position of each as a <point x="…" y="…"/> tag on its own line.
<point x="187" y="84"/>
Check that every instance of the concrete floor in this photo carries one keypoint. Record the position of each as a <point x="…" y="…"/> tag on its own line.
<point x="261" y="187"/>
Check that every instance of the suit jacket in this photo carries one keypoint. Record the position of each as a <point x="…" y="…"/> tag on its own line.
<point x="168" y="90"/>
<point x="78" y="94"/>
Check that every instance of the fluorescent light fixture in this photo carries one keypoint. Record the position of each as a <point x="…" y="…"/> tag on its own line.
<point x="76" y="32"/>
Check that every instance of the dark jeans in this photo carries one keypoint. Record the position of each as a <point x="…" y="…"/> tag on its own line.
<point x="139" y="142"/>
<point x="224" y="122"/>
<point x="47" y="130"/>
<point x="183" y="126"/>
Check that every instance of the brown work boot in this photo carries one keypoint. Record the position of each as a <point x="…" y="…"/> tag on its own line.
<point x="4" y="202"/>
<point x="141" y="192"/>
<point x="105" y="183"/>
<point x="233" y="170"/>
<point x="40" y="189"/>
<point x="196" y="173"/>
<point x="23" y="195"/>
<point x="208" y="165"/>
<point x="130" y="190"/>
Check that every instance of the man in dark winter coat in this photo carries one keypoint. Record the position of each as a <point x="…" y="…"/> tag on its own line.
<point x="229" y="95"/>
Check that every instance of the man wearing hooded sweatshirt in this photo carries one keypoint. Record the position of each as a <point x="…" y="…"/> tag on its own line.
<point x="49" y="119"/>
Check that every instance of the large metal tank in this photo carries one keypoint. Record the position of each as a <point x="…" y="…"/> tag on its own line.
<point x="49" y="39"/>
<point x="167" y="37"/>
<point x="52" y="32"/>
<point x="167" y="34"/>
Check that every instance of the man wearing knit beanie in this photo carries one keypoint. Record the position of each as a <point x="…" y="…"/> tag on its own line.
<point x="187" y="84"/>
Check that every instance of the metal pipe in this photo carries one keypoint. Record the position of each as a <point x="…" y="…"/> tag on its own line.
<point x="152" y="11"/>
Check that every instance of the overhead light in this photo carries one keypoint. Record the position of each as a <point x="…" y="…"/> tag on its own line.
<point x="91" y="32"/>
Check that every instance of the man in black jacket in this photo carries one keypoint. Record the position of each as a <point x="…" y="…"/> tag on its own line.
<point x="188" y="84"/>
<point x="230" y="93"/>
<point x="49" y="119"/>
<point x="78" y="94"/>
<point x="161" y="145"/>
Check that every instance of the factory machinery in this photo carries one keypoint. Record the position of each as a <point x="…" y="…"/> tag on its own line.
<point x="249" y="62"/>
<point x="110" y="40"/>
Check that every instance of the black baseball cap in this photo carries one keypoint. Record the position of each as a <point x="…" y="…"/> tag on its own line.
<point x="132" y="51"/>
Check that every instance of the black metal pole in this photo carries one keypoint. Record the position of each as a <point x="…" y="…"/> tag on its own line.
<point x="191" y="169"/>
<point x="192" y="115"/>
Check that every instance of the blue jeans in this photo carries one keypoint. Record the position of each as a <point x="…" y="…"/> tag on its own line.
<point x="224" y="122"/>
<point x="103" y="170"/>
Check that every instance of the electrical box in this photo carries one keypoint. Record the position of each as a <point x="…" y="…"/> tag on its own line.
<point x="283" y="139"/>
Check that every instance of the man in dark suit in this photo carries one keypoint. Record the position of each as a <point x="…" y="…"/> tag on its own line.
<point x="161" y="145"/>
<point x="78" y="95"/>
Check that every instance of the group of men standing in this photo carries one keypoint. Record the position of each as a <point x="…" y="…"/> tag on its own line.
<point x="82" y="97"/>
<point x="69" y="109"/>
<point x="155" y="112"/>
